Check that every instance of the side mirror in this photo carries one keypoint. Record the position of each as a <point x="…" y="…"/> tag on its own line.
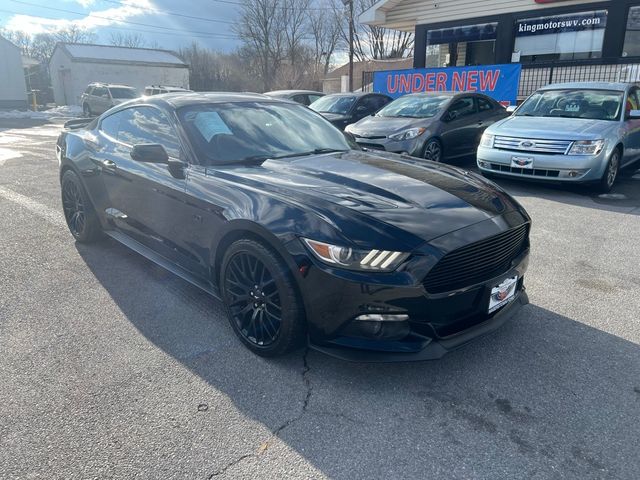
<point x="634" y="115"/>
<point x="149" y="153"/>
<point x="511" y="108"/>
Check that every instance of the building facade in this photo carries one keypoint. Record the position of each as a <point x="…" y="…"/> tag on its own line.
<point x="554" y="40"/>
<point x="13" y="91"/>
<point x="74" y="66"/>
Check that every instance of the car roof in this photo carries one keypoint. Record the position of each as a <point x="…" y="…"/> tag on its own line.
<point x="181" y="99"/>
<point x="354" y="94"/>
<point x="292" y="92"/>
<point x="616" y="86"/>
<point x="110" y="85"/>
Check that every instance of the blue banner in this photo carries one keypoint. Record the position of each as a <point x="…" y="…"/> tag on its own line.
<point x="497" y="81"/>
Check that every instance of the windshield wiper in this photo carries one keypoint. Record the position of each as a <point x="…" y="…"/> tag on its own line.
<point x="317" y="151"/>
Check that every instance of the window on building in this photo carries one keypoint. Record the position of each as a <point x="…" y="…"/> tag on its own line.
<point x="632" y="35"/>
<point x="462" y="46"/>
<point x="561" y="37"/>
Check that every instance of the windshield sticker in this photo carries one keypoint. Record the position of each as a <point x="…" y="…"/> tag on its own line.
<point x="210" y="124"/>
<point x="572" y="107"/>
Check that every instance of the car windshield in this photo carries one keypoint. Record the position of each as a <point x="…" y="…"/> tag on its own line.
<point x="245" y="132"/>
<point x="121" y="92"/>
<point x="333" y="104"/>
<point x="418" y="106"/>
<point x="575" y="103"/>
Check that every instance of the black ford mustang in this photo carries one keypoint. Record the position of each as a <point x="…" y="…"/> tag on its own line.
<point x="263" y="203"/>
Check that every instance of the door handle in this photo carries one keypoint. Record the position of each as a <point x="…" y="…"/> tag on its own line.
<point x="109" y="164"/>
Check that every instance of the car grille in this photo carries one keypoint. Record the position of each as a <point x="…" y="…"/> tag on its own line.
<point x="536" y="172"/>
<point x="557" y="147"/>
<point x="371" y="146"/>
<point x="477" y="262"/>
<point x="370" y="137"/>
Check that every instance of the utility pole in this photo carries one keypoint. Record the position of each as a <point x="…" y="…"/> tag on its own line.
<point x="350" y="2"/>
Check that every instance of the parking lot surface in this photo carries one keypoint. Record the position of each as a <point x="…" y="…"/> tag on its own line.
<point x="114" y="368"/>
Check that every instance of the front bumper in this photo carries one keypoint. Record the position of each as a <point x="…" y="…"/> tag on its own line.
<point x="437" y="323"/>
<point x="412" y="147"/>
<point x="553" y="168"/>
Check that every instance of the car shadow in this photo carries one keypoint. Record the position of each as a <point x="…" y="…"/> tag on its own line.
<point x="546" y="396"/>
<point x="623" y="198"/>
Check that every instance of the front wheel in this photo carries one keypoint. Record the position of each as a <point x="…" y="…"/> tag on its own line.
<point x="263" y="306"/>
<point x="610" y="173"/>
<point x="433" y="150"/>
<point x="86" y="110"/>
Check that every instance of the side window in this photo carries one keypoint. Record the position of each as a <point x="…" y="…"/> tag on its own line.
<point x="632" y="100"/>
<point x="110" y="124"/>
<point x="100" y="92"/>
<point x="484" y="105"/>
<point x="382" y="101"/>
<point x="313" y="98"/>
<point x="300" y="99"/>
<point x="88" y="90"/>
<point x="148" y="125"/>
<point x="370" y="103"/>
<point x="461" y="108"/>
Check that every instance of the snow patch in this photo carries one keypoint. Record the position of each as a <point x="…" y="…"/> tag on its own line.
<point x="613" y="196"/>
<point x="8" y="154"/>
<point x="64" y="111"/>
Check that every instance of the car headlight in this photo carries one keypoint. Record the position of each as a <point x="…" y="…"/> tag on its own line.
<point x="487" y="140"/>
<point x="349" y="128"/>
<point x="354" y="259"/>
<point x="408" y="134"/>
<point x="587" y="147"/>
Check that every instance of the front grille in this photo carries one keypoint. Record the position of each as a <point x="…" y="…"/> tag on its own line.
<point x="477" y="262"/>
<point x="372" y="146"/>
<point x="530" y="145"/>
<point x="370" y="137"/>
<point x="536" y="172"/>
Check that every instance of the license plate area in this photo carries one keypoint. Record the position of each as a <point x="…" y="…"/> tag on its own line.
<point x="521" y="162"/>
<point x="503" y="293"/>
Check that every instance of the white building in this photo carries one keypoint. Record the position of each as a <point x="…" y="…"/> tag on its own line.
<point x="73" y="66"/>
<point x="13" y="91"/>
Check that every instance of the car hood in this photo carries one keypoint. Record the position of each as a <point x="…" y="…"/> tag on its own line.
<point x="334" y="117"/>
<point x="385" y="126"/>
<point x="555" y="128"/>
<point x="394" y="195"/>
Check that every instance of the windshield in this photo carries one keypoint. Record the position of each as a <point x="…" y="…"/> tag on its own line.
<point x="227" y="133"/>
<point x="589" y="104"/>
<point x="339" y="104"/>
<point x="120" y="92"/>
<point x="415" y="106"/>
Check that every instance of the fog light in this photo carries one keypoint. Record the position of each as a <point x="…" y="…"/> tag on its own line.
<point x="483" y="164"/>
<point x="376" y="317"/>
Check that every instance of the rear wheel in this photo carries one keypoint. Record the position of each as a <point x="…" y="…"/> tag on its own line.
<point x="261" y="300"/>
<point x="610" y="173"/>
<point x="80" y="215"/>
<point x="433" y="150"/>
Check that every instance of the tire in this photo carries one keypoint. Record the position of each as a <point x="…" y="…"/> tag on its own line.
<point x="79" y="213"/>
<point x="269" y="319"/>
<point x="433" y="150"/>
<point x="610" y="174"/>
<point x="86" y="110"/>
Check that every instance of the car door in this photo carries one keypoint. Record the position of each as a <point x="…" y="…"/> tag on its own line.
<point x="631" y="127"/>
<point x="100" y="100"/>
<point x="460" y="127"/>
<point x="489" y="112"/>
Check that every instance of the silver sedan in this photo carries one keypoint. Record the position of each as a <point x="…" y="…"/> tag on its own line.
<point x="573" y="132"/>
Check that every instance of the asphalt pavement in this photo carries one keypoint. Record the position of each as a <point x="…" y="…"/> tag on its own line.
<point x="110" y="367"/>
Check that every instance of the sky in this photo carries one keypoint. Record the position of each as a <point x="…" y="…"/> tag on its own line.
<point x="169" y="23"/>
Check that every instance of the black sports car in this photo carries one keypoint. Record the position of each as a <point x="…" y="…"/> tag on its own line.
<point x="266" y="205"/>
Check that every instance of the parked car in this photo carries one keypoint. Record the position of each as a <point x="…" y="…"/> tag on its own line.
<point x="261" y="202"/>
<point x="305" y="97"/>
<point x="436" y="126"/>
<point x="158" y="89"/>
<point x="569" y="133"/>
<point x="343" y="109"/>
<point x="100" y="97"/>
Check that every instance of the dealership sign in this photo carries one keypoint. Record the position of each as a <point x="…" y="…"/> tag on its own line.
<point x="562" y="23"/>
<point x="497" y="81"/>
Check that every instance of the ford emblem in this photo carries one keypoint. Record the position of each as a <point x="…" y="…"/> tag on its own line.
<point x="527" y="144"/>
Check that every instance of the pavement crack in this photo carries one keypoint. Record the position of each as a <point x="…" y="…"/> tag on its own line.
<point x="224" y="469"/>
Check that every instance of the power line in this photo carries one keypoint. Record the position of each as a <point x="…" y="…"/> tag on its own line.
<point x="280" y="7"/>
<point x="166" y="12"/>
<point x="110" y="19"/>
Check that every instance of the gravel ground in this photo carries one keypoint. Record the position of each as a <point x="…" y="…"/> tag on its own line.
<point x="113" y="368"/>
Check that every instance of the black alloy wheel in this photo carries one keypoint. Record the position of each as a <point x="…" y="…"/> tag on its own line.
<point x="78" y="211"/>
<point x="260" y="298"/>
<point x="433" y="150"/>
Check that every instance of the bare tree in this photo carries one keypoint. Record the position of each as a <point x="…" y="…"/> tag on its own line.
<point x="74" y="34"/>
<point x="129" y="40"/>
<point x="325" y="38"/>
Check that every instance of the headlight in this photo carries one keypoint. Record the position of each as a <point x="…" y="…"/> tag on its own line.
<point x="487" y="140"/>
<point x="408" y="134"/>
<point x="587" y="147"/>
<point x="349" y="128"/>
<point x="353" y="259"/>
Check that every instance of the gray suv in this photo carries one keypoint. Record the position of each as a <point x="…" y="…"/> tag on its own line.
<point x="100" y="97"/>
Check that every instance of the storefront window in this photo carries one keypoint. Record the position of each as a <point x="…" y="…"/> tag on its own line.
<point x="561" y="37"/>
<point x="462" y="46"/>
<point x="632" y="36"/>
